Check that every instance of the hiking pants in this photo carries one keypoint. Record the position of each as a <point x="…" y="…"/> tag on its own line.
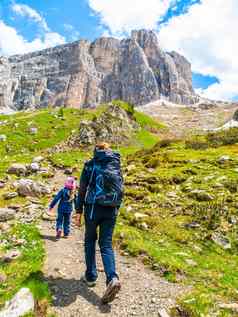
<point x="103" y="218"/>
<point x="63" y="222"/>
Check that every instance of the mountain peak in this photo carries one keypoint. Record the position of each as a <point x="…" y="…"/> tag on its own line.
<point x="86" y="74"/>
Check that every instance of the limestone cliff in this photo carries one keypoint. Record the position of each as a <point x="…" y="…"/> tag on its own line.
<point x="84" y="74"/>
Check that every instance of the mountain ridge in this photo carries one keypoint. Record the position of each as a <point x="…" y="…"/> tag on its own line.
<point x="84" y="74"/>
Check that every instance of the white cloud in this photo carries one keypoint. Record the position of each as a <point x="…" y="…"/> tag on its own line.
<point x="68" y="27"/>
<point x="13" y="43"/>
<point x="124" y="15"/>
<point x="207" y="36"/>
<point x="26" y="11"/>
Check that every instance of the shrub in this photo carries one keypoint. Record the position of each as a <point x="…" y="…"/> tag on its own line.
<point x="226" y="137"/>
<point x="196" y="143"/>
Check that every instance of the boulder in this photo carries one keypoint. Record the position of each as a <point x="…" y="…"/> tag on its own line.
<point x="21" y="304"/>
<point x="139" y="216"/>
<point x="34" y="167"/>
<point x="10" y="195"/>
<point x="2" y="184"/>
<point x="38" y="159"/>
<point x="163" y="313"/>
<point x="27" y="187"/>
<point x="7" y="214"/>
<point x="3" y="277"/>
<point x="3" y="138"/>
<point x="114" y="125"/>
<point x="223" y="159"/>
<point x="221" y="240"/>
<point x="200" y="195"/>
<point x="17" y="169"/>
<point x="33" y="130"/>
<point x="10" y="256"/>
<point x="230" y="306"/>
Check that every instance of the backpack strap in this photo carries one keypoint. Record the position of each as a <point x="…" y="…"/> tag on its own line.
<point x="90" y="182"/>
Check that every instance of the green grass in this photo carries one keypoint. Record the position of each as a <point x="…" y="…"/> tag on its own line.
<point x="157" y="169"/>
<point x="168" y="245"/>
<point x="24" y="270"/>
<point x="54" y="126"/>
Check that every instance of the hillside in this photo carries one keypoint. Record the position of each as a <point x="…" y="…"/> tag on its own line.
<point x="198" y="118"/>
<point x="179" y="217"/>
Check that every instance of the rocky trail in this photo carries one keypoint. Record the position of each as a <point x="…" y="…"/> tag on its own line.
<point x="143" y="292"/>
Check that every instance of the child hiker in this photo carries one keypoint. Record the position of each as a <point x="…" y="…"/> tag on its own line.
<point x="66" y="197"/>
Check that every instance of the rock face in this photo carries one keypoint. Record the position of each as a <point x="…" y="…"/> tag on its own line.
<point x="84" y="74"/>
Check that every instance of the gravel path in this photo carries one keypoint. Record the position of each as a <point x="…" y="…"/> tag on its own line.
<point x="143" y="293"/>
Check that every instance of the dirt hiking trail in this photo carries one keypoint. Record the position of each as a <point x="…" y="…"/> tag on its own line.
<point x="143" y="292"/>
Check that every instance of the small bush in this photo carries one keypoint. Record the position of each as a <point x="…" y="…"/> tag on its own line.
<point x="196" y="144"/>
<point x="226" y="137"/>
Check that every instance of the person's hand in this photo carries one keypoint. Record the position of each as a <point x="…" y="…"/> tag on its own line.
<point x="51" y="211"/>
<point x="78" y="220"/>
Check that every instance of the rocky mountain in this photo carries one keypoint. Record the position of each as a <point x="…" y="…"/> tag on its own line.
<point x="82" y="74"/>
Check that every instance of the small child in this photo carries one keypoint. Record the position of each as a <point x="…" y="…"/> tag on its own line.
<point x="66" y="197"/>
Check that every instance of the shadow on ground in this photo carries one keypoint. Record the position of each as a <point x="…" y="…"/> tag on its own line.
<point x="48" y="237"/>
<point x="65" y="292"/>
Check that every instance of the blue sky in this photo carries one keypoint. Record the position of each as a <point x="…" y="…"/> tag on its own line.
<point x="29" y="25"/>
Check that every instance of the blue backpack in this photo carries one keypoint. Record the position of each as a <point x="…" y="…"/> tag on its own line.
<point x="105" y="185"/>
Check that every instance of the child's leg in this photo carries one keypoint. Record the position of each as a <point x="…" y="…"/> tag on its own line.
<point x="59" y="221"/>
<point x="67" y="223"/>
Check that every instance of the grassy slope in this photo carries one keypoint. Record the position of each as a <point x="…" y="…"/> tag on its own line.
<point x="54" y="127"/>
<point x="179" y="253"/>
<point x="153" y="174"/>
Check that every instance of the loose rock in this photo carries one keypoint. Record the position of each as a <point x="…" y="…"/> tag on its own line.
<point x="223" y="159"/>
<point x="10" y="256"/>
<point x="10" y="195"/>
<point x="221" y="241"/>
<point x="7" y="214"/>
<point x="3" y="277"/>
<point x="232" y="306"/>
<point x="21" y="304"/>
<point x="27" y="187"/>
<point x="163" y="313"/>
<point x="3" y="138"/>
<point x="17" y="169"/>
<point x="38" y="159"/>
<point x="33" y="130"/>
<point x="200" y="195"/>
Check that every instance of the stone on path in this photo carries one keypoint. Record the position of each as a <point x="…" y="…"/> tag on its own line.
<point x="21" y="304"/>
<point x="163" y="313"/>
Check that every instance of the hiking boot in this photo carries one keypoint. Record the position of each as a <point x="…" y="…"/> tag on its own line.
<point x="89" y="283"/>
<point x="112" y="289"/>
<point x="58" y="234"/>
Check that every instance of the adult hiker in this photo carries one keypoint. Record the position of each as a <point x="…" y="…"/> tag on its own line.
<point x="100" y="196"/>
